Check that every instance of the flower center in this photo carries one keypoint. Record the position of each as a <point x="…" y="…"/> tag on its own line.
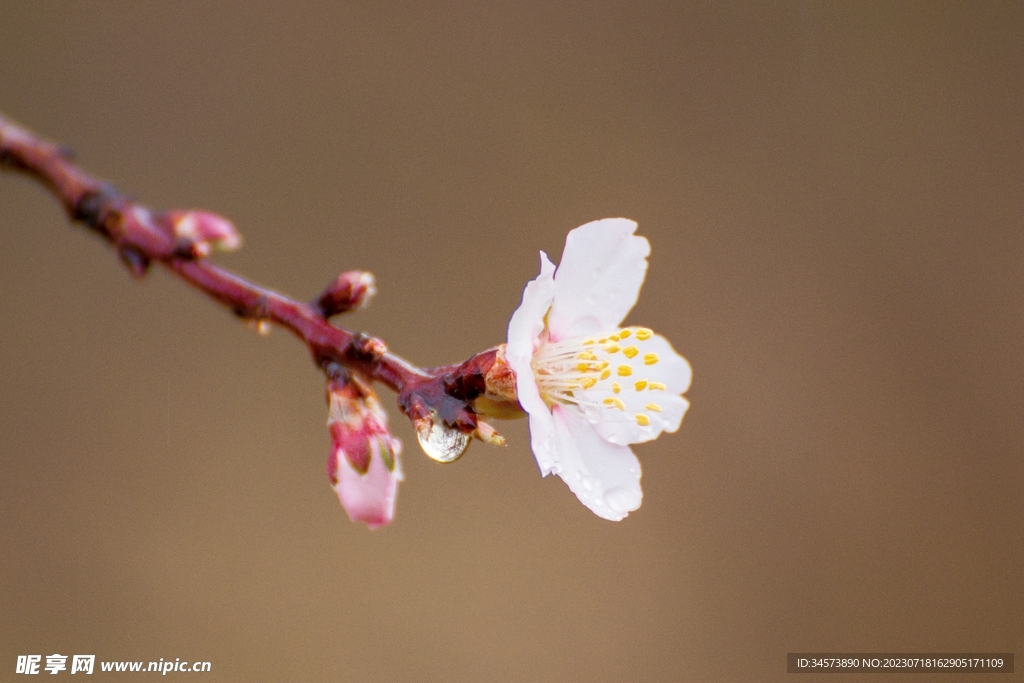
<point x="611" y="372"/>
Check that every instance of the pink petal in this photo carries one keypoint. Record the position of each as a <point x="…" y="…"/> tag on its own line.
<point x="370" y="497"/>
<point x="599" y="278"/>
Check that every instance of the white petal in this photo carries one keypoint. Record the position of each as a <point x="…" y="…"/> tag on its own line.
<point x="622" y="427"/>
<point x="542" y="441"/>
<point x="604" y="476"/>
<point x="524" y="330"/>
<point x="670" y="368"/>
<point x="598" y="280"/>
<point x="645" y="379"/>
<point x="527" y="322"/>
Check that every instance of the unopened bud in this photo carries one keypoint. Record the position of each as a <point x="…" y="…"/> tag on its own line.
<point x="488" y="434"/>
<point x="368" y="348"/>
<point x="363" y="464"/>
<point x="259" y="325"/>
<point x="204" y="231"/>
<point x="351" y="290"/>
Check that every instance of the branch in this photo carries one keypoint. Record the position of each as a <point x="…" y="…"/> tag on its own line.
<point x="443" y="403"/>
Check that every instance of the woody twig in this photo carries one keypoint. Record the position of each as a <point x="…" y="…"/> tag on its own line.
<point x="443" y="402"/>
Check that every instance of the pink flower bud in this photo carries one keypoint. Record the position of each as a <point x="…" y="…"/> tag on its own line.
<point x="206" y="231"/>
<point x="350" y="290"/>
<point x="363" y="464"/>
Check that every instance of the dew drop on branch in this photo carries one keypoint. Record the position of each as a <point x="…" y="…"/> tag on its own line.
<point x="443" y="444"/>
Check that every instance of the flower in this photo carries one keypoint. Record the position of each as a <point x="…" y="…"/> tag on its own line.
<point x="589" y="386"/>
<point x="363" y="464"/>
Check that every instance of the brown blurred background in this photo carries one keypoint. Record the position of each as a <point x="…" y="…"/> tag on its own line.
<point x="834" y="193"/>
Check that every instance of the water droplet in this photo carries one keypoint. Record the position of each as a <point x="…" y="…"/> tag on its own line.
<point x="590" y="483"/>
<point x="622" y="500"/>
<point x="443" y="444"/>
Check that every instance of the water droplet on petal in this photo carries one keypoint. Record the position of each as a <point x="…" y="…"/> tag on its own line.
<point x="622" y="500"/>
<point x="443" y="444"/>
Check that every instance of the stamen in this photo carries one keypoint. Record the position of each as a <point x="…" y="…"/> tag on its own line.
<point x="566" y="370"/>
<point x="617" y="402"/>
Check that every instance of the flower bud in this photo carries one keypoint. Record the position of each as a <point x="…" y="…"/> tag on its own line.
<point x="205" y="231"/>
<point x="349" y="291"/>
<point x="363" y="464"/>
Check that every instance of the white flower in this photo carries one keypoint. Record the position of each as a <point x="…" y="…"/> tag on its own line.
<point x="590" y="388"/>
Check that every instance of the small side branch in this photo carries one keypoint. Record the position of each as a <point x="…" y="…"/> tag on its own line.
<point x="179" y="240"/>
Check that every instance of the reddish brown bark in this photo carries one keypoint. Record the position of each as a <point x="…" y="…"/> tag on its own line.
<point x="142" y="237"/>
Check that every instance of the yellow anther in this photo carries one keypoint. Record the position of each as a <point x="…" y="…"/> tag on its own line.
<point x="589" y="382"/>
<point x="583" y="367"/>
<point x="643" y="334"/>
<point x="655" y="385"/>
<point x="602" y="366"/>
<point x="641" y="385"/>
<point x="611" y="348"/>
<point x="630" y="351"/>
<point x="650" y="358"/>
<point x="606" y="373"/>
<point x="587" y="355"/>
<point x="602" y="340"/>
<point x="615" y="402"/>
<point x="624" y="333"/>
<point x="642" y="420"/>
<point x="625" y="371"/>
<point x="616" y="387"/>
<point x="588" y="342"/>
<point x="653" y="406"/>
